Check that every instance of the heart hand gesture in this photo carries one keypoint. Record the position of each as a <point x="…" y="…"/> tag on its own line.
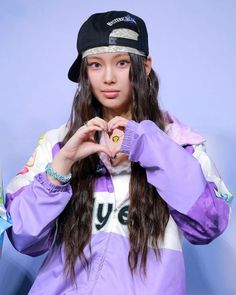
<point x="83" y="144"/>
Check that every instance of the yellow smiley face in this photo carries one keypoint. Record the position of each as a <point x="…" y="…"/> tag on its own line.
<point x="115" y="138"/>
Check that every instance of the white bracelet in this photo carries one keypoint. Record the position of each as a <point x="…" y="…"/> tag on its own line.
<point x="62" y="178"/>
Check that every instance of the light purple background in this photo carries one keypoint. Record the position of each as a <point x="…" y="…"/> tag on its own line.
<point x="193" y="45"/>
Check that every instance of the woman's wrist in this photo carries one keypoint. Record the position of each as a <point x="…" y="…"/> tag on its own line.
<point x="58" y="172"/>
<point x="62" y="164"/>
<point x="63" y="179"/>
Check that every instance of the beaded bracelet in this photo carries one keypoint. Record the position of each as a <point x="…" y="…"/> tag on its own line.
<point x="55" y="175"/>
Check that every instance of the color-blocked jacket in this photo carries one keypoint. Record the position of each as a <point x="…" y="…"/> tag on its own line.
<point x="176" y="164"/>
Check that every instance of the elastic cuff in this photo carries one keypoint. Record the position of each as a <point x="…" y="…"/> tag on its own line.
<point x="129" y="137"/>
<point x="51" y="187"/>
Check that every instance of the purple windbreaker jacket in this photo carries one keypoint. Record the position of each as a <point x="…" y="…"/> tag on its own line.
<point x="176" y="164"/>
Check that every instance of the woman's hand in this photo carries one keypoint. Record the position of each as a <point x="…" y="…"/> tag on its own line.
<point x="117" y="123"/>
<point x="116" y="128"/>
<point x="80" y="145"/>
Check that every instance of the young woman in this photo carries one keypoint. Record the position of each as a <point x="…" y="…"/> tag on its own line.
<point x="123" y="180"/>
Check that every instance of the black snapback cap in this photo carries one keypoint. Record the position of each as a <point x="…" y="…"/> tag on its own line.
<point x="95" y="32"/>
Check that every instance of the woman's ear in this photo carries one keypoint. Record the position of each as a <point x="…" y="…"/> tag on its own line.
<point x="148" y="65"/>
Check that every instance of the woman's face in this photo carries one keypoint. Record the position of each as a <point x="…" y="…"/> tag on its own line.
<point x="108" y="74"/>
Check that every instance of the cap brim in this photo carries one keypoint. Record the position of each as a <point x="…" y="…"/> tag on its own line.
<point x="73" y="73"/>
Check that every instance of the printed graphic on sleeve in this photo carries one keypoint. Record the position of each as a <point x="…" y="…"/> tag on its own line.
<point x="31" y="160"/>
<point x="211" y="174"/>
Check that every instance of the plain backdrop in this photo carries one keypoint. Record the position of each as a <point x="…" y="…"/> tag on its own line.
<point x="193" y="45"/>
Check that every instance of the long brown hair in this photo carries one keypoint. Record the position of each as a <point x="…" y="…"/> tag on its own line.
<point x="148" y="213"/>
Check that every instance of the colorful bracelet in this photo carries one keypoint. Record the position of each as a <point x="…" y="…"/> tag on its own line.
<point x="55" y="175"/>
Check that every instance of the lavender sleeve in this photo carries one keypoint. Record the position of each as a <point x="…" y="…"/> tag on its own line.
<point x="33" y="202"/>
<point x="34" y="211"/>
<point x="180" y="181"/>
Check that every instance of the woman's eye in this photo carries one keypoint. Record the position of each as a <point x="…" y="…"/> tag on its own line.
<point x="94" y="65"/>
<point x="123" y="63"/>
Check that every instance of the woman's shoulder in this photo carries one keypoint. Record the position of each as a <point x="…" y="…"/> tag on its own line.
<point x="179" y="132"/>
<point x="55" y="135"/>
<point x="47" y="146"/>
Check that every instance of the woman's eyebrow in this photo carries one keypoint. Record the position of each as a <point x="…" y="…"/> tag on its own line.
<point x="124" y="55"/>
<point x="93" y="57"/>
<point x="119" y="55"/>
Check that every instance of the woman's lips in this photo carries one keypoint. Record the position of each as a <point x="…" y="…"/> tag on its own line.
<point x="110" y="93"/>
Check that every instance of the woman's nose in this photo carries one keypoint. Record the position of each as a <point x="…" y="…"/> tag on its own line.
<point x="109" y="76"/>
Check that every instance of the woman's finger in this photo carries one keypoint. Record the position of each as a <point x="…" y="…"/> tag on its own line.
<point x="102" y="148"/>
<point x="97" y="122"/>
<point x="117" y="122"/>
<point x="85" y="130"/>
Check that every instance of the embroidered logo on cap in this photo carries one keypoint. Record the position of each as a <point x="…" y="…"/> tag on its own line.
<point x="126" y="18"/>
